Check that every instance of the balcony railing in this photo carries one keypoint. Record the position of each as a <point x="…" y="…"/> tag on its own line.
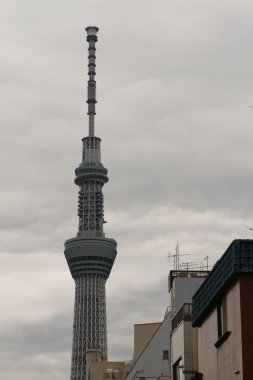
<point x="184" y="314"/>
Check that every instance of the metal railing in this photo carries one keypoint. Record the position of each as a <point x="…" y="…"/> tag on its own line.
<point x="184" y="314"/>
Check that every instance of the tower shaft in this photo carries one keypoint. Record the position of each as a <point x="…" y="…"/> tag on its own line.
<point x="90" y="255"/>
<point x="89" y="322"/>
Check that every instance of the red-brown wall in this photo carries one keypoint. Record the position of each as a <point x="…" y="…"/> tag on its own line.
<point x="246" y="295"/>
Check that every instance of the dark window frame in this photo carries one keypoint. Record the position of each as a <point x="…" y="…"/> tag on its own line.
<point x="222" y="317"/>
<point x="222" y="330"/>
<point x="176" y="369"/>
<point x="165" y="354"/>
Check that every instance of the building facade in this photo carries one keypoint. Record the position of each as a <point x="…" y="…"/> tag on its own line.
<point x="155" y="358"/>
<point x="184" y="349"/>
<point x="90" y="255"/>
<point x="223" y="312"/>
<point x="97" y="369"/>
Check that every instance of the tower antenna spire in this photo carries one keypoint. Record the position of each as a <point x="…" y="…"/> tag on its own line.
<point x="90" y="255"/>
<point x="91" y="97"/>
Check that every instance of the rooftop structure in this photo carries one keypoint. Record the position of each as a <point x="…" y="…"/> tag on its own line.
<point x="182" y="284"/>
<point x="186" y="274"/>
<point x="90" y="255"/>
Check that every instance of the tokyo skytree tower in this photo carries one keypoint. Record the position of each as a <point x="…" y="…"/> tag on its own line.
<point x="90" y="255"/>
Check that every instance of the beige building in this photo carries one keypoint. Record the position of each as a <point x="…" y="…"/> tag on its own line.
<point x="104" y="370"/>
<point x="143" y="333"/>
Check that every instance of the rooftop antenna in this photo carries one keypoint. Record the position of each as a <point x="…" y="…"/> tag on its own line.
<point x="176" y="257"/>
<point x="206" y="259"/>
<point x="194" y="266"/>
<point x="91" y="99"/>
<point x="250" y="228"/>
<point x="189" y="265"/>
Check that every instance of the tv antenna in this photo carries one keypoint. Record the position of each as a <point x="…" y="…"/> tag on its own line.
<point x="206" y="259"/>
<point x="176" y="257"/>
<point x="189" y="265"/>
<point x="250" y="228"/>
<point x="193" y="265"/>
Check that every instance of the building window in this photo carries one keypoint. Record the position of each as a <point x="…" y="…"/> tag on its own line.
<point x="165" y="355"/>
<point x="223" y="332"/>
<point x="222" y="317"/>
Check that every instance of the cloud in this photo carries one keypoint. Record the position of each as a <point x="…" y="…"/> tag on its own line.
<point x="174" y="83"/>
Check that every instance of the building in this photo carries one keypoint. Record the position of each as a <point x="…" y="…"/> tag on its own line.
<point x="184" y="349"/>
<point x="153" y="359"/>
<point x="159" y="348"/>
<point x="143" y="332"/>
<point x="183" y="339"/>
<point x="104" y="370"/>
<point x="222" y="312"/>
<point x="182" y="284"/>
<point x="90" y="255"/>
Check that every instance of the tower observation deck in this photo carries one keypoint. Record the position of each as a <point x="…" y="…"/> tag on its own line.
<point x="90" y="255"/>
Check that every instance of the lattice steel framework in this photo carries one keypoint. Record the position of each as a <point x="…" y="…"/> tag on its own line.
<point x="88" y="321"/>
<point x="90" y="255"/>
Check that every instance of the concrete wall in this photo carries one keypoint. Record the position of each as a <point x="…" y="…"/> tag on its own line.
<point x="184" y="345"/>
<point x="107" y="370"/>
<point x="182" y="291"/>
<point x="190" y="348"/>
<point x="177" y="345"/>
<point x="150" y="363"/>
<point x="142" y="335"/>
<point x="220" y="363"/>
<point x="103" y="370"/>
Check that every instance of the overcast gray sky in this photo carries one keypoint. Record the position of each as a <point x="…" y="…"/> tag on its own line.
<point x="175" y="82"/>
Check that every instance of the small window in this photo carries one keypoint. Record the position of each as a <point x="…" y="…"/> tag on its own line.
<point x="222" y="317"/>
<point x="165" y="355"/>
<point x="222" y="328"/>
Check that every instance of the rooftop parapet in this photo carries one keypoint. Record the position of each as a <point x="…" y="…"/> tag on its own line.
<point x="186" y="274"/>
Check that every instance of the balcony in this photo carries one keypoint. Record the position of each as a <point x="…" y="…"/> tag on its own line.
<point x="184" y="314"/>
